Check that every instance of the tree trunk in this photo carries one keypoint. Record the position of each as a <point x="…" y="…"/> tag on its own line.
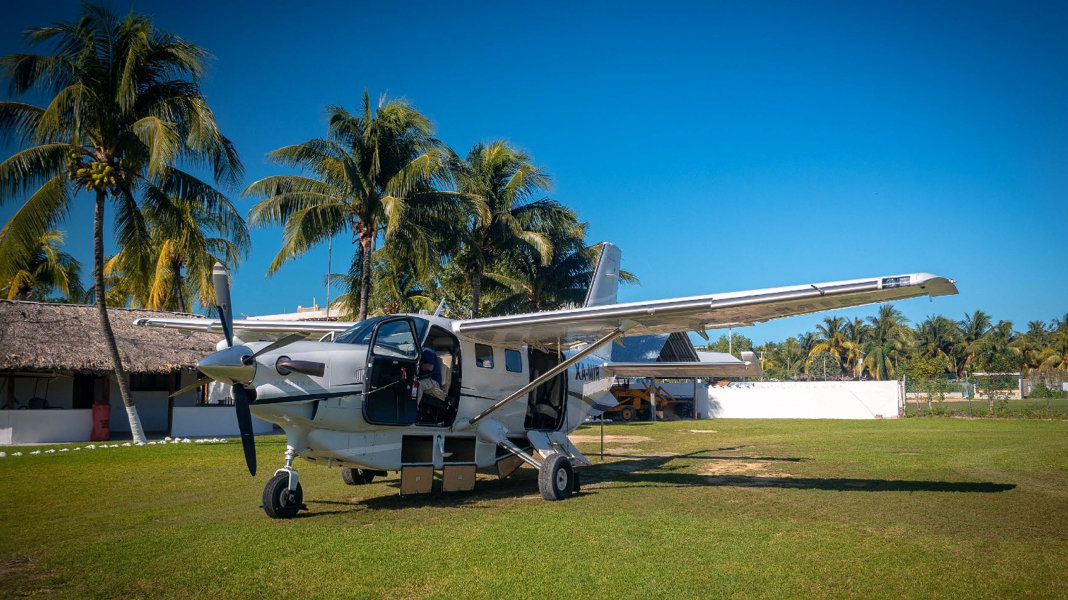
<point x="476" y="290"/>
<point x="105" y="324"/>
<point x="178" y="288"/>
<point x="367" y="247"/>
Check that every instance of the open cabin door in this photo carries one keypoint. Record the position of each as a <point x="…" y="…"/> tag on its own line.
<point x="392" y="360"/>
<point x="547" y="403"/>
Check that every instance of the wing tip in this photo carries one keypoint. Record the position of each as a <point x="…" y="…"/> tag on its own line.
<point x="936" y="285"/>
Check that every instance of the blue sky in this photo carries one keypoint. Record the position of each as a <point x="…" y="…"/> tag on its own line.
<point x="722" y="146"/>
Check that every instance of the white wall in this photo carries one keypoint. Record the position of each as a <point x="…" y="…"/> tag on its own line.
<point x="45" y="426"/>
<point x="805" y="400"/>
<point x="200" y="421"/>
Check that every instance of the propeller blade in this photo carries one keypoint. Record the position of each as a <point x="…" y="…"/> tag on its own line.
<point x="191" y="387"/>
<point x="244" y="423"/>
<point x="221" y="282"/>
<point x="287" y="340"/>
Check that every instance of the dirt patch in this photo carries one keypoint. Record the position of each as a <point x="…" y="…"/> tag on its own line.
<point x="724" y="467"/>
<point x="702" y="431"/>
<point x="622" y="439"/>
<point x="24" y="577"/>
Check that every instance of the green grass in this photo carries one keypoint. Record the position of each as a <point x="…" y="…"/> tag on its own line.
<point x="876" y="509"/>
<point x="1028" y="408"/>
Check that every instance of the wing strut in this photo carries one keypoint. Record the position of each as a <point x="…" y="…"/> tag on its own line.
<point x="553" y="372"/>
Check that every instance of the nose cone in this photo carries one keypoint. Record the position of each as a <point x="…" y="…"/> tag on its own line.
<point x="229" y="366"/>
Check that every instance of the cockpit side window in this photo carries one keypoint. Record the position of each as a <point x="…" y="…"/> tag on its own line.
<point x="360" y="333"/>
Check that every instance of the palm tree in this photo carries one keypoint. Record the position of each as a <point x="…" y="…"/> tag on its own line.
<point x="506" y="182"/>
<point x="125" y="108"/>
<point x="996" y="351"/>
<point x="938" y="337"/>
<point x="973" y="327"/>
<point x="1034" y="345"/>
<point x="792" y="355"/>
<point x="396" y="290"/>
<point x="522" y="284"/>
<point x="34" y="273"/>
<point x="372" y="174"/>
<point x="1058" y="338"/>
<point x="856" y="334"/>
<point x="187" y="238"/>
<point x="886" y="341"/>
<point x="832" y="341"/>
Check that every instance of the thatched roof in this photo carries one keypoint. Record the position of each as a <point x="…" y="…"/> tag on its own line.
<point x="35" y="336"/>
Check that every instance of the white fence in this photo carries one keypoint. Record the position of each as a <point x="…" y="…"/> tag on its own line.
<point x="802" y="400"/>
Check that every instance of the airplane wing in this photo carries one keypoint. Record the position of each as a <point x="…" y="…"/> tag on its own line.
<point x="749" y="367"/>
<point x="698" y="313"/>
<point x="251" y="330"/>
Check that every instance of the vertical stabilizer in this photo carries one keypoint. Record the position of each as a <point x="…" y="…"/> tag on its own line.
<point x="605" y="281"/>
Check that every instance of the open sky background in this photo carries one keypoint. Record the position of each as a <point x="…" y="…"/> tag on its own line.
<point x="722" y="146"/>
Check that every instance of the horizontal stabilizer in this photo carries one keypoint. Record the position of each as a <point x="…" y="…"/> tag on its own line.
<point x="750" y="367"/>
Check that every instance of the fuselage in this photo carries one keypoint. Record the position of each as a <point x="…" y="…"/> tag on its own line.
<point x="362" y="411"/>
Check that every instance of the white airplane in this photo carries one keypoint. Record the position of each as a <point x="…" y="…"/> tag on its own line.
<point x="513" y="386"/>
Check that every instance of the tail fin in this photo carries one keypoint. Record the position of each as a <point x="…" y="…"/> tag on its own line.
<point x="605" y="282"/>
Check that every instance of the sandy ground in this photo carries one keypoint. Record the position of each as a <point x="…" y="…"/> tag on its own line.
<point x="719" y="468"/>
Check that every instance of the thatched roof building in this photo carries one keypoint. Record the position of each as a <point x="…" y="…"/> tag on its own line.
<point x="37" y="336"/>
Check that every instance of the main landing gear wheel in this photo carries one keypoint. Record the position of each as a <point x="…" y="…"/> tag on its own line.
<point x="556" y="479"/>
<point x="356" y="476"/>
<point x="278" y="501"/>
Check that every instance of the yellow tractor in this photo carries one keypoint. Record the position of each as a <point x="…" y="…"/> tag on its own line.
<point x="634" y="404"/>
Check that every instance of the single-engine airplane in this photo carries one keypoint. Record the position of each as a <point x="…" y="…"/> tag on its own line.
<point x="508" y="389"/>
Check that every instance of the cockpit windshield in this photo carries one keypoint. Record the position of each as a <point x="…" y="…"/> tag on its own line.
<point x="360" y="333"/>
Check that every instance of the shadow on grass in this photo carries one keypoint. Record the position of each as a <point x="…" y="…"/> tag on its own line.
<point x="523" y="483"/>
<point x="639" y="471"/>
<point x="654" y="470"/>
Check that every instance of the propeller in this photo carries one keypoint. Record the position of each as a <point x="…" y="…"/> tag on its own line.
<point x="236" y="365"/>
<point x="221" y="282"/>
<point x="199" y="382"/>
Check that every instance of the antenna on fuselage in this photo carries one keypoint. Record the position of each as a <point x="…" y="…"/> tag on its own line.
<point x="441" y="306"/>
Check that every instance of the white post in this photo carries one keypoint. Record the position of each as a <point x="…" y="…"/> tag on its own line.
<point x="694" y="397"/>
<point x="652" y="399"/>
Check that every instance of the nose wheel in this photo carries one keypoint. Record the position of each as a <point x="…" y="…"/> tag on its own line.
<point x="282" y="496"/>
<point x="279" y="502"/>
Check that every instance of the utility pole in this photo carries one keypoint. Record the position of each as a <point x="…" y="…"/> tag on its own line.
<point x="329" y="255"/>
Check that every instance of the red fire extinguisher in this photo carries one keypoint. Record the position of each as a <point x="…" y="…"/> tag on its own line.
<point x="101" y="423"/>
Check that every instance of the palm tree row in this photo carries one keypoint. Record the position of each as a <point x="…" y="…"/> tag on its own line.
<point x="886" y="347"/>
<point x="444" y="224"/>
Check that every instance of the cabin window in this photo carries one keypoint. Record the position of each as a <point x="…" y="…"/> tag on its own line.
<point x="484" y="356"/>
<point x="513" y="361"/>
<point x="395" y="340"/>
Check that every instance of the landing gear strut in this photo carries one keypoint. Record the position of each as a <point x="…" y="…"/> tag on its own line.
<point x="282" y="496"/>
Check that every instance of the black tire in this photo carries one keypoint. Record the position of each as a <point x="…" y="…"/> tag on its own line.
<point x="278" y="501"/>
<point x="356" y="476"/>
<point x="556" y="479"/>
<point x="626" y="413"/>
<point x="577" y="485"/>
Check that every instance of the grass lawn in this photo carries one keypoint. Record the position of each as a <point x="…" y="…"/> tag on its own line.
<point x="919" y="508"/>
